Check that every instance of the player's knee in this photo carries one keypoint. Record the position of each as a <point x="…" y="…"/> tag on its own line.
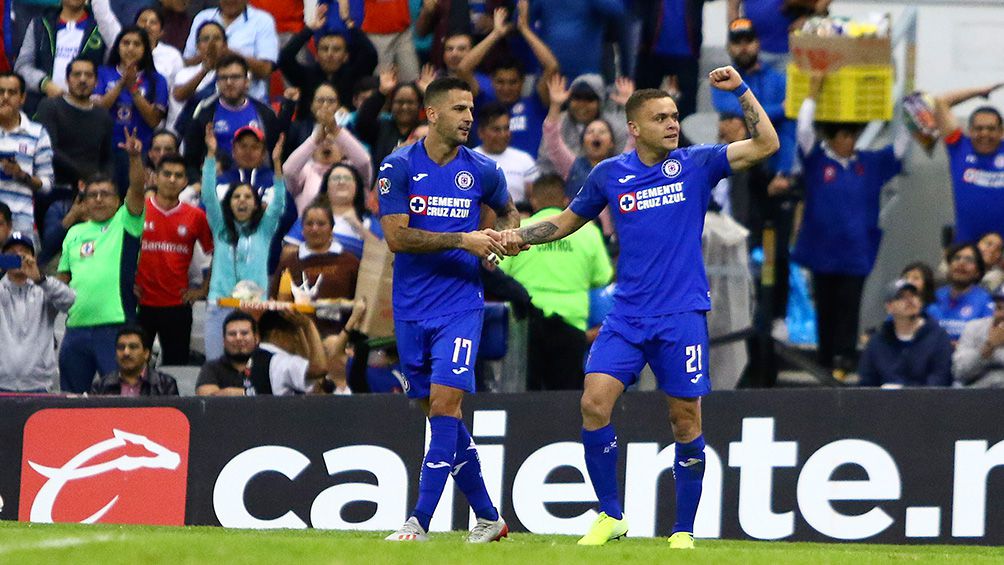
<point x="594" y="410"/>
<point x="686" y="426"/>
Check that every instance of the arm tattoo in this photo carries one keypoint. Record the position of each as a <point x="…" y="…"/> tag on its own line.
<point x="508" y="217"/>
<point x="542" y="232"/>
<point x="751" y="115"/>
<point x="420" y="241"/>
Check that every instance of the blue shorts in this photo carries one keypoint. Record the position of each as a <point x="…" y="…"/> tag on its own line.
<point x="674" y="345"/>
<point x="439" y="350"/>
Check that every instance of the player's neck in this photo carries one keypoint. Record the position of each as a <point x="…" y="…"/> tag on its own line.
<point x="650" y="156"/>
<point x="164" y="203"/>
<point x="439" y="150"/>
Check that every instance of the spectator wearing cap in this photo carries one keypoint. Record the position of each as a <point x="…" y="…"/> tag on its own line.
<point x="769" y="183"/>
<point x="565" y="23"/>
<point x="251" y="34"/>
<point x="250" y="366"/>
<point x="81" y="137"/>
<point x="526" y="112"/>
<point x="25" y="155"/>
<point x="134" y="375"/>
<point x="670" y="48"/>
<point x="243" y="227"/>
<point x="29" y="303"/>
<point x="99" y="262"/>
<point x="228" y="112"/>
<point x="909" y="348"/>
<point x="774" y="19"/>
<point x="976" y="163"/>
<point x="840" y="235"/>
<point x="341" y="60"/>
<point x="962" y="299"/>
<point x="518" y="166"/>
<point x="587" y="102"/>
<point x="979" y="356"/>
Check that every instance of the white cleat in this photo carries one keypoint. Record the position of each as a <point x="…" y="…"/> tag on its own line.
<point x="486" y="531"/>
<point x="410" y="531"/>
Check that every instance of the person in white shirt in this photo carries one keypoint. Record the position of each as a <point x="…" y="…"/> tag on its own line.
<point x="519" y="167"/>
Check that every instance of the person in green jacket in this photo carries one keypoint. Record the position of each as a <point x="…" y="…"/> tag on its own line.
<point x="558" y="276"/>
<point x="243" y="228"/>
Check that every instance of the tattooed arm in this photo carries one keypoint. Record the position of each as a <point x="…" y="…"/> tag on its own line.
<point x="551" y="229"/>
<point x="401" y="238"/>
<point x="507" y="217"/>
<point x="763" y="141"/>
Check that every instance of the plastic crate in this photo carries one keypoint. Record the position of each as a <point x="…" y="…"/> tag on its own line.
<point x="853" y="93"/>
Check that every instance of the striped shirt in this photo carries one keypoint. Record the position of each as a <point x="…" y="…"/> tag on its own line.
<point x="29" y="145"/>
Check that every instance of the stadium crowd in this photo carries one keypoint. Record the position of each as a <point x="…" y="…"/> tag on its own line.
<point x="155" y="156"/>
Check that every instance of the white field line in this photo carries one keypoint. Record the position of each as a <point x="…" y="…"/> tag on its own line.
<point x="57" y="543"/>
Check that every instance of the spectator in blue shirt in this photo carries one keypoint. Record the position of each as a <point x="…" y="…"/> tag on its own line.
<point x="909" y="349"/>
<point x="769" y="184"/>
<point x="671" y="46"/>
<point x="134" y="93"/>
<point x="526" y="112"/>
<point x="565" y="25"/>
<point x="962" y="299"/>
<point x="774" y="19"/>
<point x="840" y="235"/>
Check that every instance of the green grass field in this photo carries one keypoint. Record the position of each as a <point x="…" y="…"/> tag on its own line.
<point x="71" y="544"/>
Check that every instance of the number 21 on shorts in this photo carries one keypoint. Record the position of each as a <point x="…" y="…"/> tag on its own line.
<point x="695" y="361"/>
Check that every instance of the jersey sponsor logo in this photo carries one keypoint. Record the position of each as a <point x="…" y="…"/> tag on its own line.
<point x="437" y="465"/>
<point x="384" y="184"/>
<point x="419" y="177"/>
<point x="418" y="205"/>
<point x="696" y="378"/>
<point x="982" y="178"/>
<point x="464" y="180"/>
<point x="460" y="371"/>
<point x="625" y="178"/>
<point x="829" y="173"/>
<point x="691" y="462"/>
<point x="114" y="465"/>
<point x="87" y="249"/>
<point x="386" y="166"/>
<point x="149" y="226"/>
<point x="651" y="197"/>
<point x="221" y="126"/>
<point x="182" y="230"/>
<point x="441" y="206"/>
<point x="671" y="168"/>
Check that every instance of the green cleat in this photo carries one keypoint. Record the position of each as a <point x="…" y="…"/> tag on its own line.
<point x="605" y="529"/>
<point x="681" y="540"/>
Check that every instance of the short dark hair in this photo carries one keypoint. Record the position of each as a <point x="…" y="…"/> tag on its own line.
<point x="320" y="202"/>
<point x="171" y="159"/>
<point x="926" y="273"/>
<point x="233" y="59"/>
<point x="325" y="34"/>
<point x="162" y="131"/>
<point x="954" y="250"/>
<point x="509" y="64"/>
<point x="986" y="110"/>
<point x="157" y="11"/>
<point x="491" y="112"/>
<point x="79" y="59"/>
<point x="640" y="97"/>
<point x="97" y="178"/>
<point x="458" y="33"/>
<point x="214" y="23"/>
<point x="239" y="316"/>
<point x="441" y="86"/>
<point x="832" y="129"/>
<point x="5" y="213"/>
<point x="133" y="329"/>
<point x="549" y="185"/>
<point x="271" y="321"/>
<point x="20" y="79"/>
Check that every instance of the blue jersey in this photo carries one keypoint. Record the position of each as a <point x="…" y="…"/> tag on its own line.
<point x="840" y="231"/>
<point x="124" y="111"/>
<point x="227" y="120"/>
<point x="770" y="22"/>
<point x="978" y="187"/>
<point x="659" y="215"/>
<point x="953" y="313"/>
<point x="526" y="122"/>
<point x="438" y="198"/>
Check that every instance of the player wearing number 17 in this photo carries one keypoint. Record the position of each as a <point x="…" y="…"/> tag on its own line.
<point x="658" y="195"/>
<point x="431" y="194"/>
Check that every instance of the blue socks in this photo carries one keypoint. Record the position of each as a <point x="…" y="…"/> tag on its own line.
<point x="436" y="467"/>
<point x="600" y="450"/>
<point x="467" y="475"/>
<point x="689" y="473"/>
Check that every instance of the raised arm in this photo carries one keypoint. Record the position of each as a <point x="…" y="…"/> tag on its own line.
<point x="947" y="122"/>
<point x="557" y="150"/>
<point x="763" y="141"/>
<point x="137" y="173"/>
<point x="108" y="24"/>
<point x="465" y="70"/>
<point x="210" y="200"/>
<point x="732" y="10"/>
<point x="548" y="62"/>
<point x="805" y="129"/>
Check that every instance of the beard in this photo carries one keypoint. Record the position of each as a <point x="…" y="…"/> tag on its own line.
<point x="745" y="63"/>
<point x="237" y="357"/>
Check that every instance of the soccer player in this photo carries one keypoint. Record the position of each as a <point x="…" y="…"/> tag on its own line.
<point x="659" y="195"/>
<point x="431" y="194"/>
